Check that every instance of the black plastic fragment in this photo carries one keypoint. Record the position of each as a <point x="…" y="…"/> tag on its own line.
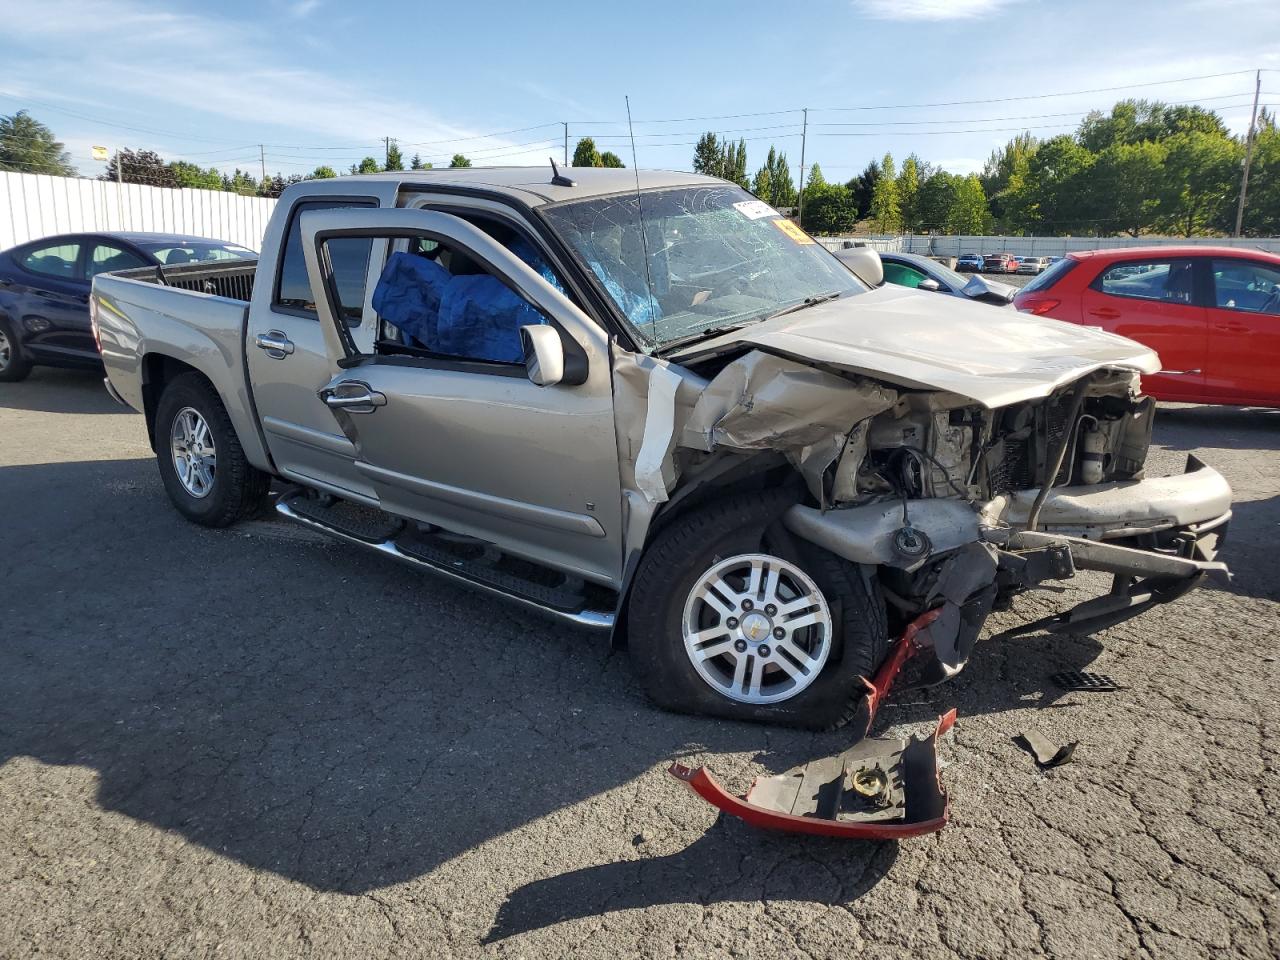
<point x="1046" y="754"/>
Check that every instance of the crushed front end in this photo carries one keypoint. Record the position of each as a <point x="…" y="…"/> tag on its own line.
<point x="962" y="507"/>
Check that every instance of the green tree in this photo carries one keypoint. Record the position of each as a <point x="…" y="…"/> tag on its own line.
<point x="28" y="146"/>
<point x="886" y="214"/>
<point x="585" y="153"/>
<point x="1201" y="182"/>
<point x="323" y="173"/>
<point x="395" y="160"/>
<point x="1262" y="203"/>
<point x="863" y="186"/>
<point x="611" y="159"/>
<point x="459" y="161"/>
<point x="828" y="207"/>
<point x="1058" y="175"/>
<point x="968" y="214"/>
<point x="933" y="202"/>
<point x="909" y="193"/>
<point x="733" y="163"/>
<point x="141" y="166"/>
<point x="189" y="175"/>
<point x="1125" y="185"/>
<point x="240" y="182"/>
<point x="708" y="155"/>
<point x="773" y="183"/>
<point x="367" y="165"/>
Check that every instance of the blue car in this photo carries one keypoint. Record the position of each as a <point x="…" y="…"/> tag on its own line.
<point x="44" y="290"/>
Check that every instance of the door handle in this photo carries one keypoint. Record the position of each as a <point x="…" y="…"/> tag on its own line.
<point x="277" y="345"/>
<point x="353" y="396"/>
<point x="1106" y="313"/>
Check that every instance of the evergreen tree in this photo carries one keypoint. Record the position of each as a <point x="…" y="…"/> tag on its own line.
<point x="611" y="159"/>
<point x="416" y="163"/>
<point x="28" y="146"/>
<point x="395" y="160"/>
<point x="773" y="182"/>
<point x="585" y="153"/>
<point x="708" y="155"/>
<point x="862" y="187"/>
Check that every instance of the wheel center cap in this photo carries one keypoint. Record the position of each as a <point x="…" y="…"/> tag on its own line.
<point x="756" y="627"/>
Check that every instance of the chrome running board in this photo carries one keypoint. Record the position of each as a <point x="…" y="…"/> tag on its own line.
<point x="590" y="619"/>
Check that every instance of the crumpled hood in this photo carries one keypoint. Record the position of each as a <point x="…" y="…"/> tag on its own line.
<point x="921" y="340"/>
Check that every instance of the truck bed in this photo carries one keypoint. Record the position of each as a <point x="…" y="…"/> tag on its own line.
<point x="232" y="279"/>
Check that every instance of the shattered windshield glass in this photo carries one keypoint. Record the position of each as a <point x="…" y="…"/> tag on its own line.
<point x="717" y="258"/>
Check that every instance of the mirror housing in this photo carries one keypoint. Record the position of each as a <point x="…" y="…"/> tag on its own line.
<point x="543" y="354"/>
<point x="930" y="284"/>
<point x="864" y="263"/>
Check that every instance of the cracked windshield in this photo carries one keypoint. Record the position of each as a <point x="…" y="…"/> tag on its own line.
<point x="717" y="258"/>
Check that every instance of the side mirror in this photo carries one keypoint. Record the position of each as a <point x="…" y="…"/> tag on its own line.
<point x="864" y="263"/>
<point x="543" y="354"/>
<point x="930" y="284"/>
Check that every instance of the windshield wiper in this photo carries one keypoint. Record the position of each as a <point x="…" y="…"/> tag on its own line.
<point x="807" y="302"/>
<point x="702" y="335"/>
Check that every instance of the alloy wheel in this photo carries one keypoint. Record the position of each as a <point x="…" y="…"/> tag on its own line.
<point x="194" y="457"/>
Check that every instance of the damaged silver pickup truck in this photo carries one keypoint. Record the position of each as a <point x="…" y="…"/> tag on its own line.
<point x="656" y="407"/>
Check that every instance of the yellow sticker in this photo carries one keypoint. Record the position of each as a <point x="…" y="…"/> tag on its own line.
<point x="792" y="230"/>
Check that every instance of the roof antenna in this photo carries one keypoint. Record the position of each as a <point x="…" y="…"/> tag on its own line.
<point x="558" y="179"/>
<point x="644" y="233"/>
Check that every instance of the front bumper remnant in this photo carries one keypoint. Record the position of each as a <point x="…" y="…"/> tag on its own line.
<point x="876" y="790"/>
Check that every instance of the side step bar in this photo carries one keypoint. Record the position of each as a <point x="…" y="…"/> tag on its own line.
<point x="591" y="619"/>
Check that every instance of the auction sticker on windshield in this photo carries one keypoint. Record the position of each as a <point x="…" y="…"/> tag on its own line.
<point x="755" y="209"/>
<point x="793" y="231"/>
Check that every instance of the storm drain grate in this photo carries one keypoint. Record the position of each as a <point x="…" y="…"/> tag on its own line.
<point x="1075" y="681"/>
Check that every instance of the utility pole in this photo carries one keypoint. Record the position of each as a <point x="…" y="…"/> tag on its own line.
<point x="566" y="143"/>
<point x="120" y="186"/>
<point x="1248" y="154"/>
<point x="804" y="136"/>
<point x="386" y="152"/>
<point x="262" y="158"/>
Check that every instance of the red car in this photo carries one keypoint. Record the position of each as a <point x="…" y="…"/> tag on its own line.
<point x="1211" y="313"/>
<point x="999" y="263"/>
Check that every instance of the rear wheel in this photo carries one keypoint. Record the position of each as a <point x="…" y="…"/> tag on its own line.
<point x="731" y="616"/>
<point x="202" y="465"/>
<point x="13" y="365"/>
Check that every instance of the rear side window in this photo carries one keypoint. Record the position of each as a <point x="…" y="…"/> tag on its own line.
<point x="901" y="275"/>
<point x="1164" y="280"/>
<point x="350" y="257"/>
<point x="1052" y="274"/>
<point x="54" y="261"/>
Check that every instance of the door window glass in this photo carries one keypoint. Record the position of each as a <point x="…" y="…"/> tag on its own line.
<point x="350" y="258"/>
<point x="1242" y="285"/>
<point x="58" y="261"/>
<point x="902" y="275"/>
<point x="1166" y="280"/>
<point x="107" y="258"/>
<point x="433" y="299"/>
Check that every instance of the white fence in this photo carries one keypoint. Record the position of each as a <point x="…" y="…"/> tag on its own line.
<point x="940" y="246"/>
<point x="34" y="206"/>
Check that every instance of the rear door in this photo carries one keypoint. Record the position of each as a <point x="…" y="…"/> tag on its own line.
<point x="285" y="348"/>
<point x="1154" y="301"/>
<point x="454" y="432"/>
<point x="1244" y="332"/>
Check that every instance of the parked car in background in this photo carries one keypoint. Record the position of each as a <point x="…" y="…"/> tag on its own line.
<point x="44" y="290"/>
<point x="1032" y="265"/>
<point x="969" y="262"/>
<point x="1211" y="313"/>
<point x="999" y="263"/>
<point x="921" y="273"/>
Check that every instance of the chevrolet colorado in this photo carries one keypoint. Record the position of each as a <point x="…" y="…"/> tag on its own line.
<point x="651" y="405"/>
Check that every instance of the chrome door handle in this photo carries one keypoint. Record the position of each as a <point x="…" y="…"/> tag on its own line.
<point x="353" y="396"/>
<point x="277" y="345"/>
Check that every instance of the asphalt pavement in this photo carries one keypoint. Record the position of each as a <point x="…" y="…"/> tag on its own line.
<point x="256" y="743"/>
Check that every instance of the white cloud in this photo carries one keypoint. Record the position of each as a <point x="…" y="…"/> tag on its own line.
<point x="303" y="8"/>
<point x="929" y="9"/>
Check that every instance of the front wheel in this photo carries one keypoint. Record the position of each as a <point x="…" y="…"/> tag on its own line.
<point x="731" y="616"/>
<point x="202" y="465"/>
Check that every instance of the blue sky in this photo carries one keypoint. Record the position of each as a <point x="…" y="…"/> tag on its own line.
<point x="322" y="81"/>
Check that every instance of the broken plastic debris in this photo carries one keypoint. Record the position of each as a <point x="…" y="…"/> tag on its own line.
<point x="827" y="796"/>
<point x="1046" y="753"/>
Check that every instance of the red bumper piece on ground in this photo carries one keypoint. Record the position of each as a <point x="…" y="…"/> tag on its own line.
<point x="908" y="645"/>
<point x="875" y="790"/>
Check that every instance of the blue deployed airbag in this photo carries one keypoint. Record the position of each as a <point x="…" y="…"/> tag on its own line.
<point x="408" y="295"/>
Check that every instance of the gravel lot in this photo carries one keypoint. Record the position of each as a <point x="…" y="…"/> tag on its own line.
<point x="253" y="743"/>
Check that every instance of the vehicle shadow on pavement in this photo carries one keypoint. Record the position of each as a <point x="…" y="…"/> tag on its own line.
<point x="54" y="390"/>
<point x="712" y="869"/>
<point x="1240" y="428"/>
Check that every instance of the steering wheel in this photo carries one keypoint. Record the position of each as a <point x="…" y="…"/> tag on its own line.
<point x="1273" y="302"/>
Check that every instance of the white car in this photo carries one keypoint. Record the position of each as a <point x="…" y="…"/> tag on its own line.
<point x="1032" y="265"/>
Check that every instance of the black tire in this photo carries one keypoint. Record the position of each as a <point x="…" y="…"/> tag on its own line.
<point x="749" y="524"/>
<point x="238" y="488"/>
<point x="18" y="367"/>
